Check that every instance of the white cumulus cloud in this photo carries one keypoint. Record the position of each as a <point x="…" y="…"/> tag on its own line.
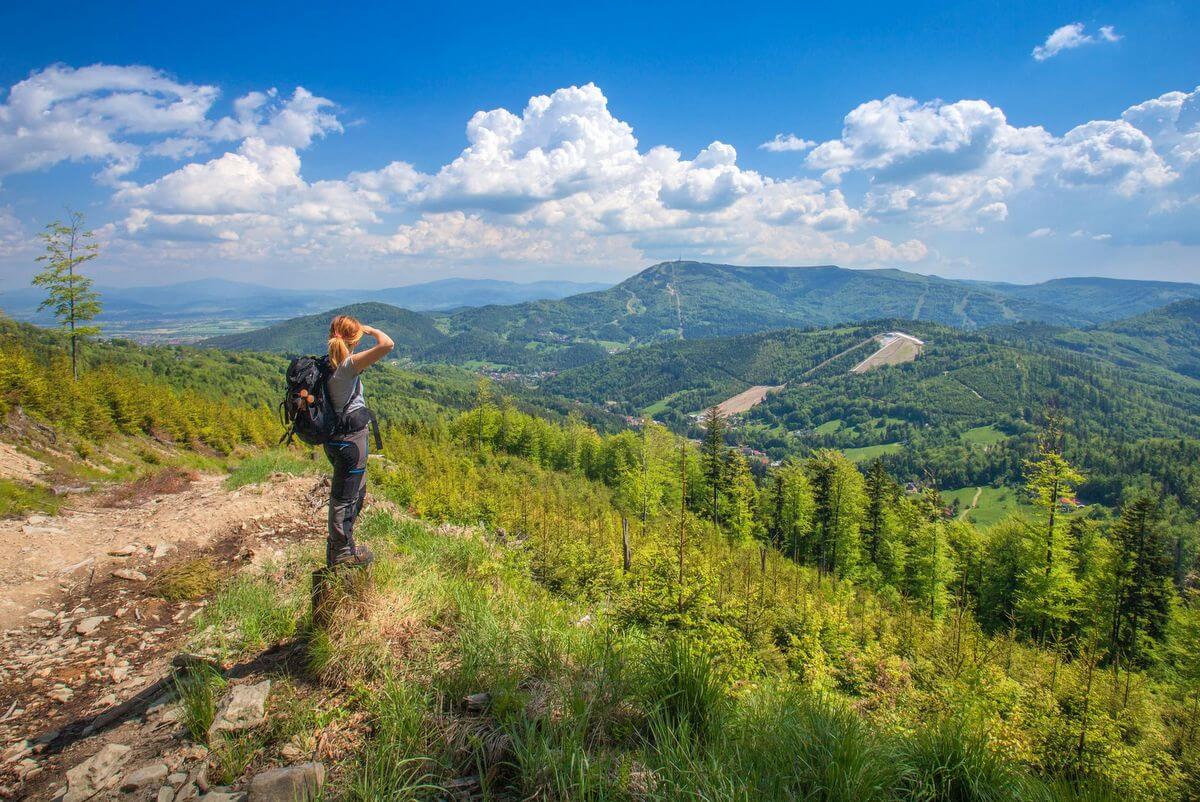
<point x="114" y="115"/>
<point x="1071" y="36"/>
<point x="789" y="142"/>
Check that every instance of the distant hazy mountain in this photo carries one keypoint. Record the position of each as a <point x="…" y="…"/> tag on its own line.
<point x="219" y="298"/>
<point x="1098" y="300"/>
<point x="413" y="332"/>
<point x="452" y="293"/>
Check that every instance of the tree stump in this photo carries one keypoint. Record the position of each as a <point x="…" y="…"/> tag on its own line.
<point x="339" y="590"/>
<point x="322" y="607"/>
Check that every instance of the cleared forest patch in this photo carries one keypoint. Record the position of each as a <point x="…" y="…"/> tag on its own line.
<point x="895" y="348"/>
<point x="745" y="400"/>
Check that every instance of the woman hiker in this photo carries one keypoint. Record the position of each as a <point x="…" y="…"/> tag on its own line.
<point x="347" y="452"/>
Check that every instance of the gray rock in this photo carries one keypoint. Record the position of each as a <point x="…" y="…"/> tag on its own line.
<point x="303" y="781"/>
<point x="162" y="550"/>
<point x="18" y="751"/>
<point x="165" y="794"/>
<point x="42" y="615"/>
<point x="98" y="773"/>
<point x="123" y="551"/>
<point x="223" y="796"/>
<point x="89" y="625"/>
<point x="245" y="706"/>
<point x="152" y="774"/>
<point x="188" y="791"/>
<point x="129" y="574"/>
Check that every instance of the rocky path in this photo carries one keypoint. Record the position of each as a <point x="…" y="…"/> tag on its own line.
<point x="86" y="653"/>
<point x="49" y="558"/>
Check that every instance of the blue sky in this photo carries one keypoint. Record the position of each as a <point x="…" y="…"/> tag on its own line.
<point x="929" y="137"/>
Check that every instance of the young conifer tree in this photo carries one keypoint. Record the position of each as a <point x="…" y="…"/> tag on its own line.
<point x="712" y="456"/>
<point x="1142" y="571"/>
<point x="69" y="293"/>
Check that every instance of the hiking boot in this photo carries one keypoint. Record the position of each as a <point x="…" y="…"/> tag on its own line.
<point x="358" y="557"/>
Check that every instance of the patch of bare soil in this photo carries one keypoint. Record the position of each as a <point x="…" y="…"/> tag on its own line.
<point x="85" y="663"/>
<point x="19" y="466"/>
<point x="896" y="349"/>
<point x="747" y="399"/>
<point x="168" y="481"/>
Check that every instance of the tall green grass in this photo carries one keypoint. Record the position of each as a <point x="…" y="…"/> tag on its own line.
<point x="249" y="614"/>
<point x="18" y="498"/>
<point x="199" y="688"/>
<point x="260" y="467"/>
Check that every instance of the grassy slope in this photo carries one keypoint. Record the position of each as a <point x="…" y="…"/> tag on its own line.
<point x="984" y="436"/>
<point x="867" y="453"/>
<point x="993" y="505"/>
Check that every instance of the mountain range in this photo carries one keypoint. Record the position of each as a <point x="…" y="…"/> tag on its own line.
<point x="413" y="332"/>
<point x="691" y="300"/>
<point x="687" y="300"/>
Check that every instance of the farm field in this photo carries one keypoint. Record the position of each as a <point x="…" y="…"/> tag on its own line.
<point x="991" y="503"/>
<point x="983" y="436"/>
<point x="864" y="453"/>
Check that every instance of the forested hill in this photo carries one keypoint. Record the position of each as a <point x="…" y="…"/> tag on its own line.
<point x="691" y="300"/>
<point x="1101" y="299"/>
<point x="412" y="332"/>
<point x="968" y="409"/>
<point x="961" y="376"/>
<point x="1168" y="337"/>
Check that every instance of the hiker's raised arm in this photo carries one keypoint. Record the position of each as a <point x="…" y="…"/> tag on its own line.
<point x="382" y="347"/>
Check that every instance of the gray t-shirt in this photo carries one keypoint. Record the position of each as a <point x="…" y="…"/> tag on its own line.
<point x="345" y="385"/>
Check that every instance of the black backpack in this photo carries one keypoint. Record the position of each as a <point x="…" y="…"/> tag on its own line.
<point x="306" y="409"/>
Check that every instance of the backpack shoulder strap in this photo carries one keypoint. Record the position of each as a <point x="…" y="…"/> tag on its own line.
<point x="375" y="431"/>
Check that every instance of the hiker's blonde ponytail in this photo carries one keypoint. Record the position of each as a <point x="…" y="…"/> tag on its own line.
<point x="344" y="334"/>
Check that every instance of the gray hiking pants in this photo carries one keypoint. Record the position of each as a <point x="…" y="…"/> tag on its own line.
<point x="348" y="455"/>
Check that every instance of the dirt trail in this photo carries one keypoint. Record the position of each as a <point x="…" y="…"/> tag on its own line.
<point x="974" y="503"/>
<point x="85" y="654"/>
<point x="47" y="556"/>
